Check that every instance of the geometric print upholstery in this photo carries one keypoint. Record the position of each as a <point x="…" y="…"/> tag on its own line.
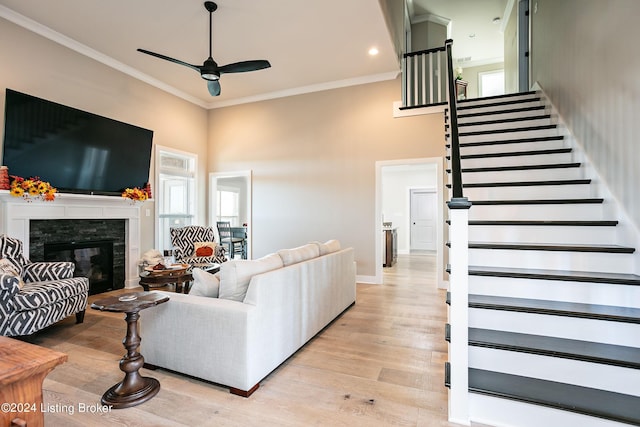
<point x="43" y="271"/>
<point x="183" y="239"/>
<point x="50" y="292"/>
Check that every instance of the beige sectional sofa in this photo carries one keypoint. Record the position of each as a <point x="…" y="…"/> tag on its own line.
<point x="266" y="310"/>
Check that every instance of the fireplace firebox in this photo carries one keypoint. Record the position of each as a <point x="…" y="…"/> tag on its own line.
<point x="93" y="260"/>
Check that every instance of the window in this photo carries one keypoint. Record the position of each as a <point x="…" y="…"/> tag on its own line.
<point x="228" y="207"/>
<point x="176" y="172"/>
<point x="491" y="83"/>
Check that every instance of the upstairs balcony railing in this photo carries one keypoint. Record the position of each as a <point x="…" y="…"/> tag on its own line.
<point x="424" y="78"/>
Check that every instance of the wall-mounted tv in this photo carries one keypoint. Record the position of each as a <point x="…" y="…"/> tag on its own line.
<point x="76" y="151"/>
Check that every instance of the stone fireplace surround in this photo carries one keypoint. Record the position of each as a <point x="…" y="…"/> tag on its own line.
<point x="16" y="214"/>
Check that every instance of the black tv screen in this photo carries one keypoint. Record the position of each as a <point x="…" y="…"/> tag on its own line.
<point x="76" y="151"/>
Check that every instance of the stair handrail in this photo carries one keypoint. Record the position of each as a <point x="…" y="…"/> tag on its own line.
<point x="456" y="171"/>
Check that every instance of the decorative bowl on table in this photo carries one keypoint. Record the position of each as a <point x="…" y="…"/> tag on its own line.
<point x="167" y="270"/>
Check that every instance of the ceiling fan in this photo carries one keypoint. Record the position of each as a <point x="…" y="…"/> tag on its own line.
<point x="210" y="71"/>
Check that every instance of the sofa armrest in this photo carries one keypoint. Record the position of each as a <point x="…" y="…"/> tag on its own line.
<point x="9" y="287"/>
<point x="46" y="271"/>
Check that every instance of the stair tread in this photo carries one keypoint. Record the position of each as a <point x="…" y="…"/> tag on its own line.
<point x="552" y="247"/>
<point x="527" y="222"/>
<point x="503" y="96"/>
<point x="462" y="107"/>
<point x="556" y="308"/>
<point x="562" y="275"/>
<point x="526" y="183"/>
<point x="594" y="200"/>
<point x="510" y="111"/>
<point x="508" y="130"/>
<point x="584" y="400"/>
<point x="515" y="153"/>
<point x="608" y="354"/>
<point x="521" y="167"/>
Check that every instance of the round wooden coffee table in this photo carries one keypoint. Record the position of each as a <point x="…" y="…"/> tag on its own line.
<point x="134" y="389"/>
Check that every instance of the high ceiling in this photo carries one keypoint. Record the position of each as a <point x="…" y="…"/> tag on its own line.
<point x="311" y="45"/>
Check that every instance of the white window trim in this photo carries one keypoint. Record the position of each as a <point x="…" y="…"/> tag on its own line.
<point x="483" y="73"/>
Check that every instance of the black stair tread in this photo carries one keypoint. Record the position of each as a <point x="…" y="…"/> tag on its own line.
<point x="521" y="167"/>
<point x="608" y="354"/>
<point x="507" y="130"/>
<point x="503" y="96"/>
<point x="509" y="120"/>
<point x="599" y="403"/>
<point x="553" y="247"/>
<point x="491" y="113"/>
<point x="594" y="200"/>
<point x="511" y="141"/>
<point x="515" y="153"/>
<point x="498" y="103"/>
<point x="562" y="275"/>
<point x="526" y="222"/>
<point x="556" y="308"/>
<point x="525" y="183"/>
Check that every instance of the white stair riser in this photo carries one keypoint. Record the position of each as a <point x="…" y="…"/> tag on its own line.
<point x="504" y="125"/>
<point x="482" y="106"/>
<point x="506" y="115"/>
<point x="566" y="212"/>
<point x="540" y="233"/>
<point x="569" y="191"/>
<point x="516" y="146"/>
<point x="607" y="332"/>
<point x="552" y="260"/>
<point x="488" y="410"/>
<point x="501" y="136"/>
<point x="523" y="175"/>
<point x="583" y="374"/>
<point x="542" y="159"/>
<point x="557" y="290"/>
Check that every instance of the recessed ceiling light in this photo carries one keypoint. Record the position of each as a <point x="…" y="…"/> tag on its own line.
<point x="472" y="35"/>
<point x="373" y="51"/>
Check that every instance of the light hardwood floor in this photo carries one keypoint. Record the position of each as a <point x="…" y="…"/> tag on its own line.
<point x="379" y="364"/>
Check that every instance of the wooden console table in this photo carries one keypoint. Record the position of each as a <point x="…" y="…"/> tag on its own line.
<point x="23" y="368"/>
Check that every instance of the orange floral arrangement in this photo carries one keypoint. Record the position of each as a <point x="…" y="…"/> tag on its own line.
<point x="32" y="187"/>
<point x="136" y="194"/>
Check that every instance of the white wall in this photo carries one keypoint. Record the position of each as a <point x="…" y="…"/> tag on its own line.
<point x="397" y="181"/>
<point x="585" y="56"/>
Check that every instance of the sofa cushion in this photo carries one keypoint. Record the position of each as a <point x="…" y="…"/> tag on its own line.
<point x="328" y="247"/>
<point x="299" y="254"/>
<point x="204" y="249"/>
<point x="205" y="284"/>
<point x="235" y="275"/>
<point x="41" y="294"/>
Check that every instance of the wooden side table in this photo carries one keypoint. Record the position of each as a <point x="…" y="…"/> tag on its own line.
<point x="134" y="389"/>
<point x="23" y="368"/>
<point x="180" y="279"/>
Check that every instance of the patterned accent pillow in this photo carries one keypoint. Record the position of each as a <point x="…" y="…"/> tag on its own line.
<point x="7" y="267"/>
<point x="204" y="249"/>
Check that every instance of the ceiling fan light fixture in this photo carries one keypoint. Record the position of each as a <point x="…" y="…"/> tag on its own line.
<point x="210" y="76"/>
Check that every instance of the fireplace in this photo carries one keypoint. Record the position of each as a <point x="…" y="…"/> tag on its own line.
<point x="93" y="260"/>
<point x="96" y="246"/>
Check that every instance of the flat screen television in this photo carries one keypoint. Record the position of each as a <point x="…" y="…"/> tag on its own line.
<point x="76" y="151"/>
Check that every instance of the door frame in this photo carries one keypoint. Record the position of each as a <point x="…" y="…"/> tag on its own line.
<point x="439" y="163"/>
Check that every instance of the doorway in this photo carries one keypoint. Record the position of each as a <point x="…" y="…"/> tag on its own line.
<point x="395" y="179"/>
<point x="423" y="220"/>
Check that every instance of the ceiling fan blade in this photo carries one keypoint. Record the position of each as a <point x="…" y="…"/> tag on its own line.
<point x="167" y="58"/>
<point x="243" y="66"/>
<point x="214" y="87"/>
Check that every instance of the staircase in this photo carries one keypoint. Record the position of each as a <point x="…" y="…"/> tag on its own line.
<point x="554" y="304"/>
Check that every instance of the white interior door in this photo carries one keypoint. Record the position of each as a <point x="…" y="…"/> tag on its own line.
<point x="424" y="214"/>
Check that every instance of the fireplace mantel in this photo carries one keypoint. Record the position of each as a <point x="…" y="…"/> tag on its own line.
<point x="16" y="212"/>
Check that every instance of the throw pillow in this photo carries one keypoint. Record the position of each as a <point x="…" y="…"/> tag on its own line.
<point x="235" y="275"/>
<point x="205" y="284"/>
<point x="328" y="247"/>
<point x="299" y="254"/>
<point x="204" y="249"/>
<point x="7" y="267"/>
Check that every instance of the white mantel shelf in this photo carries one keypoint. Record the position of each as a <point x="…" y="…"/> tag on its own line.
<point x="16" y="212"/>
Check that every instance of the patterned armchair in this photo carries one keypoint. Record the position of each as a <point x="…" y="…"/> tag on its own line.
<point x="185" y="239"/>
<point x="34" y="295"/>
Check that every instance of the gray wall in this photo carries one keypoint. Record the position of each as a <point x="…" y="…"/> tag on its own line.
<point x="585" y="57"/>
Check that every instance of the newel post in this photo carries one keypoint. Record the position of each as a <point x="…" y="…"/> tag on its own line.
<point x="459" y="310"/>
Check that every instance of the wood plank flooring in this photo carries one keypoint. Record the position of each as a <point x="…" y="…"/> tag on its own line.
<point x="380" y="364"/>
